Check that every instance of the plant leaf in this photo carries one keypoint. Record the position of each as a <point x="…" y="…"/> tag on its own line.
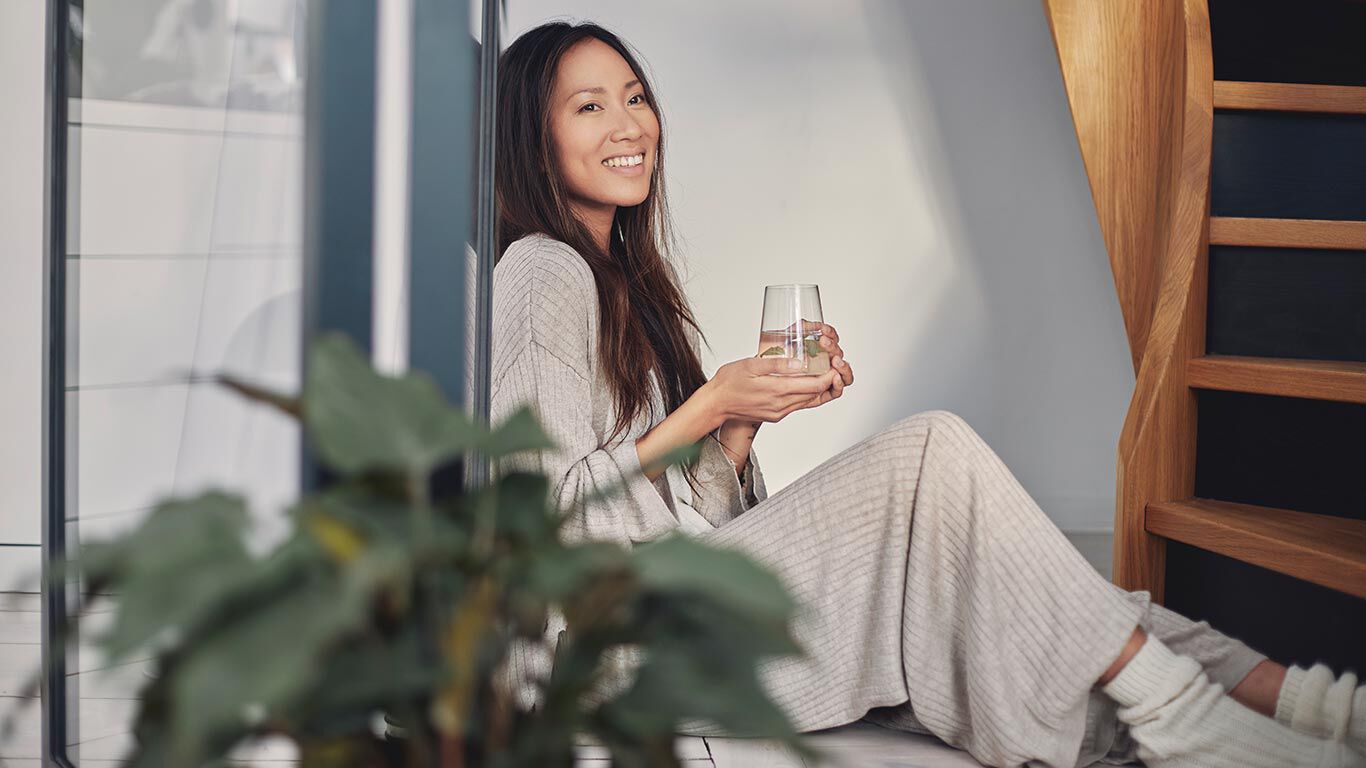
<point x="363" y="677"/>
<point x="680" y="565"/>
<point x="524" y="511"/>
<point x="170" y="571"/>
<point x="261" y="660"/>
<point x="560" y="572"/>
<point x="362" y="421"/>
<point x="519" y="432"/>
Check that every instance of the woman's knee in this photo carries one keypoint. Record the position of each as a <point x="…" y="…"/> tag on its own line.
<point x="944" y="424"/>
<point x="950" y="451"/>
<point x="925" y="438"/>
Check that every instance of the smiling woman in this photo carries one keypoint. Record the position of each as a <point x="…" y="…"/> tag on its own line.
<point x="580" y="159"/>
<point x="935" y="593"/>
<point x="597" y="127"/>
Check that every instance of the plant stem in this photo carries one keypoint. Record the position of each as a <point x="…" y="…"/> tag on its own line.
<point x="452" y="752"/>
<point x="420" y="495"/>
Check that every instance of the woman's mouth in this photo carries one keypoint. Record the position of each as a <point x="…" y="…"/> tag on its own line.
<point x="626" y="165"/>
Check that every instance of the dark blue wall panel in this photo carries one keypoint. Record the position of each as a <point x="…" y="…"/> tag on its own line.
<point x="1287" y="302"/>
<point x="1304" y="41"/>
<point x="1292" y="621"/>
<point x="1289" y="165"/>
<point x="1306" y="455"/>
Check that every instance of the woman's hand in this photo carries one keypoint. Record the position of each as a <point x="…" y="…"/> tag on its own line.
<point x="741" y="396"/>
<point x="830" y="342"/>
<point x="746" y="390"/>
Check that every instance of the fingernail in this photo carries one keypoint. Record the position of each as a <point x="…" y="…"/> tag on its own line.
<point x="837" y="361"/>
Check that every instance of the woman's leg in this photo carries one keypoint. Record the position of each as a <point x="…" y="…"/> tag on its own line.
<point x="933" y="582"/>
<point x="934" y="585"/>
<point x="1250" y="677"/>
<point x="1260" y="689"/>
<point x="1313" y="702"/>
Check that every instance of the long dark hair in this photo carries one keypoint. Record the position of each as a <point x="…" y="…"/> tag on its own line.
<point x="642" y="311"/>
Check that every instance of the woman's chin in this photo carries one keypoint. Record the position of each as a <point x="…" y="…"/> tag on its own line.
<point x="628" y="199"/>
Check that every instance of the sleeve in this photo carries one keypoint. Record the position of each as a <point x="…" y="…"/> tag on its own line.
<point x="544" y="342"/>
<point x="752" y="483"/>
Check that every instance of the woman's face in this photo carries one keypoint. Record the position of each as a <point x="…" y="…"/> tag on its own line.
<point x="602" y="130"/>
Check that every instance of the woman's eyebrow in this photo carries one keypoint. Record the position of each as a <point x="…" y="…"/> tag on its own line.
<point x="599" y="89"/>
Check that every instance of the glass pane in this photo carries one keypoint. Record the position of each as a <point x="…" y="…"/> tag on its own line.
<point x="183" y="261"/>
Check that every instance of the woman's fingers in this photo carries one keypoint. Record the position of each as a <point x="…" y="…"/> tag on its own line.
<point x="754" y="393"/>
<point x="783" y="386"/>
<point x="846" y="371"/>
<point x="762" y="366"/>
<point x="833" y="388"/>
<point x="798" y="402"/>
<point x="830" y="339"/>
<point x="811" y="403"/>
<point x="799" y="399"/>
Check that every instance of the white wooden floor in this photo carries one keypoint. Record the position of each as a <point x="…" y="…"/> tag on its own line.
<point x="105" y="710"/>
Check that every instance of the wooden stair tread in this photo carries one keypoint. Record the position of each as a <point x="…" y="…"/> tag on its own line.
<point x="1287" y="233"/>
<point x="1343" y="382"/>
<point x="1290" y="97"/>
<point x="1328" y="551"/>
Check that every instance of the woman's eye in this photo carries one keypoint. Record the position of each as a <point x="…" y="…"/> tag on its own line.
<point x="596" y="108"/>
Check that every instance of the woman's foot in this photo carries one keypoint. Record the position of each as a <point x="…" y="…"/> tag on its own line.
<point x="1179" y="717"/>
<point x="1312" y="701"/>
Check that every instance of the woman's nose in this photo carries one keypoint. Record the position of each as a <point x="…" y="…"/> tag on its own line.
<point x="628" y="127"/>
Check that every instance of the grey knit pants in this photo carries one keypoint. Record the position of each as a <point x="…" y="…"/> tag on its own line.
<point x="936" y="596"/>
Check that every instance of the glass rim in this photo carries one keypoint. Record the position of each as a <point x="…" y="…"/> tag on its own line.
<point x="792" y="285"/>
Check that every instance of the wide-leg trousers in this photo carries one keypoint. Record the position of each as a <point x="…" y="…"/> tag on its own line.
<point x="937" y="596"/>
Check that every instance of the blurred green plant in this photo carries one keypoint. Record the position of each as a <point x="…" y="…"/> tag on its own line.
<point x="385" y="603"/>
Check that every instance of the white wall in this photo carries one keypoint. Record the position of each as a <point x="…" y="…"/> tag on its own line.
<point x="184" y="216"/>
<point x="21" y="289"/>
<point x="918" y="161"/>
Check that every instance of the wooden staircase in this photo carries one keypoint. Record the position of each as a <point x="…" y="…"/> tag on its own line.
<point x="1222" y="314"/>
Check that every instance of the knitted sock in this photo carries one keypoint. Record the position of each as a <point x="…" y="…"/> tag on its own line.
<point x="1312" y="702"/>
<point x="1179" y="718"/>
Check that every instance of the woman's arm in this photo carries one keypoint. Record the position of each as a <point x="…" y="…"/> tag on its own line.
<point x="690" y="422"/>
<point x="693" y="421"/>
<point x="740" y="392"/>
<point x="737" y="438"/>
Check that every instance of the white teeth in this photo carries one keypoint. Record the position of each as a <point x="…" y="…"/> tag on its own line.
<point x="623" y="162"/>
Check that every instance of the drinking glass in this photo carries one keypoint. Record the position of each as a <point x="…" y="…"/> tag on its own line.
<point x="791" y="327"/>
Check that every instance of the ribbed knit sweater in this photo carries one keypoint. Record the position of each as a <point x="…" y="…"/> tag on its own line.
<point x="545" y="339"/>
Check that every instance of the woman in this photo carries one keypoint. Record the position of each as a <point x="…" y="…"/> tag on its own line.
<point x="937" y="596"/>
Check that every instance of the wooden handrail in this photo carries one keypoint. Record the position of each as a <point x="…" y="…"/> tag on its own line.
<point x="1157" y="442"/>
<point x="1125" y="133"/>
